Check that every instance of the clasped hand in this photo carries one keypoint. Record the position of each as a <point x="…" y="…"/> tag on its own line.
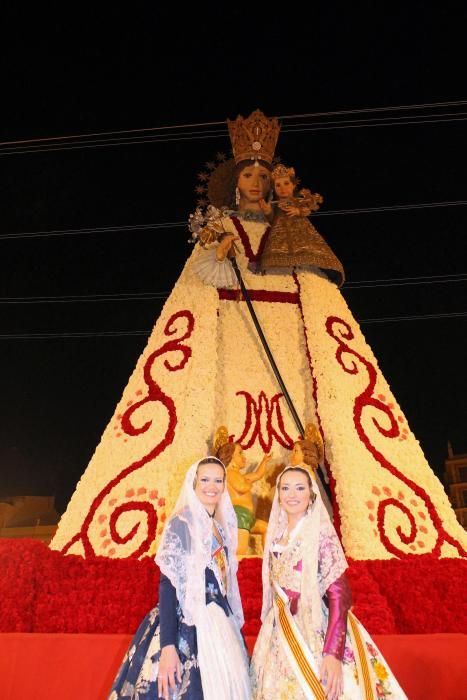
<point x="289" y="209"/>
<point x="223" y="248"/>
<point x="266" y="207"/>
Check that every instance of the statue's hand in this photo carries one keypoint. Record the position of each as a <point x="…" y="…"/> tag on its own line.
<point x="260" y="470"/>
<point x="223" y="248"/>
<point x="290" y="210"/>
<point x="264" y="464"/>
<point x="266" y="207"/>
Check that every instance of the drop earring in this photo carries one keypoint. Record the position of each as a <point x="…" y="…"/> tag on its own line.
<point x="237" y="196"/>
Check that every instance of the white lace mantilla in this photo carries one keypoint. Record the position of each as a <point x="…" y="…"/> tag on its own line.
<point x="186" y="551"/>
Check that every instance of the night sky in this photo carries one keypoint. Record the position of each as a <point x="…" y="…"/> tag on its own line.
<point x="141" y="67"/>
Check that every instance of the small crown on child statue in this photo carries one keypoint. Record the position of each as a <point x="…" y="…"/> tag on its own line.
<point x="254" y="137"/>
<point x="282" y="171"/>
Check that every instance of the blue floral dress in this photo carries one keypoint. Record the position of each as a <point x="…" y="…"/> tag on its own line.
<point x="137" y="676"/>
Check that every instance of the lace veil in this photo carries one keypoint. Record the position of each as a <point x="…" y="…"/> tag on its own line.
<point x="185" y="550"/>
<point x="323" y="557"/>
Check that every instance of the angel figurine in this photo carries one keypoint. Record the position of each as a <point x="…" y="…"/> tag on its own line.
<point x="239" y="486"/>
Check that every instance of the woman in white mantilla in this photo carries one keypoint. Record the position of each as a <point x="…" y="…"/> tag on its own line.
<point x="304" y="649"/>
<point x="190" y="646"/>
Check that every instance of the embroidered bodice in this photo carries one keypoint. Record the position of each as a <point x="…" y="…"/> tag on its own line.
<point x="286" y="570"/>
<point x="286" y="567"/>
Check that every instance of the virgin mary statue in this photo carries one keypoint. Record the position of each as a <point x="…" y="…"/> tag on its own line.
<point x="204" y="366"/>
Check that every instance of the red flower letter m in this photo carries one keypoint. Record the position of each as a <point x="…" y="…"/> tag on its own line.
<point x="263" y="422"/>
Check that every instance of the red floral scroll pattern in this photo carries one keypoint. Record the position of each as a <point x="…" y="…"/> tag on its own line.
<point x="406" y="539"/>
<point x="332" y="481"/>
<point x="132" y="506"/>
<point x="351" y="362"/>
<point x="181" y="323"/>
<point x="254" y="429"/>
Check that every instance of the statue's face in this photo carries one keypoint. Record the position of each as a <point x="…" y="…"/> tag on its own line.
<point x="294" y="492"/>
<point x="254" y="183"/>
<point x="296" y="456"/>
<point x="238" y="459"/>
<point x="283" y="187"/>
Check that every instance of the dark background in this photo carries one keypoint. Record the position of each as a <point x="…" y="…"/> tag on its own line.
<point x="77" y="71"/>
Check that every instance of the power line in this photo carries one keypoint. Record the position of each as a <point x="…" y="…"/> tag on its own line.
<point x="375" y="120"/>
<point x="183" y="224"/>
<point x="158" y="295"/>
<point x="49" y="139"/>
<point x="417" y="317"/>
<point x="85" y="298"/>
<point x="222" y="134"/>
<point x="94" y="229"/>
<point x="77" y="335"/>
<point x="355" y="124"/>
<point x="112" y="142"/>
<point x="396" y="108"/>
<point x="407" y="281"/>
<point x="122" y="334"/>
<point x="115" y="141"/>
<point x="149" y="135"/>
<point x="197" y="125"/>
<point x="395" y="207"/>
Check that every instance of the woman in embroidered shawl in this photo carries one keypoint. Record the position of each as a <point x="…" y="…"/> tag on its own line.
<point x="190" y="645"/>
<point x="304" y="649"/>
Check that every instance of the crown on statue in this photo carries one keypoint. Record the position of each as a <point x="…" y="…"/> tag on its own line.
<point x="254" y="138"/>
<point x="282" y="171"/>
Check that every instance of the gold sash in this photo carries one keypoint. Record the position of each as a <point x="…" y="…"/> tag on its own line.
<point x="298" y="654"/>
<point x="304" y="664"/>
<point x="365" y="672"/>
